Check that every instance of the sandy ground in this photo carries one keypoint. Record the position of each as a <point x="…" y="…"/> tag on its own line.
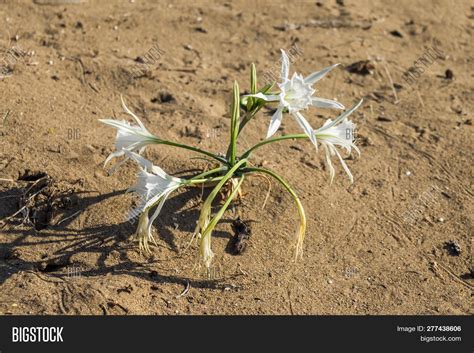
<point x="397" y="241"/>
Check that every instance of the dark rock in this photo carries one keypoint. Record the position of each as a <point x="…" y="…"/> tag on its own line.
<point x="163" y="97"/>
<point x="453" y="248"/>
<point x="449" y="75"/>
<point x="396" y="33"/>
<point x="363" y="67"/>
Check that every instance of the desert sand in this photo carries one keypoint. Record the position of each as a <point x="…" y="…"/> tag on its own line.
<point x="396" y="241"/>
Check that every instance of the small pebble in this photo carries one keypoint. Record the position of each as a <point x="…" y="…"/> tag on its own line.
<point x="407" y="173"/>
<point x="448" y="74"/>
<point x="441" y="219"/>
<point x="382" y="117"/>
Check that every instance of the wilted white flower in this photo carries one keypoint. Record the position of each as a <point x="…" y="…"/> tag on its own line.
<point x="129" y="137"/>
<point x="142" y="233"/>
<point x="154" y="187"/>
<point x="339" y="132"/>
<point x="296" y="94"/>
<point x="205" y="250"/>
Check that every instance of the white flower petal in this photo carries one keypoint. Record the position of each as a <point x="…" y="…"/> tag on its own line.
<point x="265" y="97"/>
<point x="341" y="135"/>
<point x="338" y="133"/>
<point x="154" y="185"/>
<point x="295" y="94"/>
<point x="158" y="210"/>
<point x="119" y="124"/>
<point x="316" y="76"/>
<point x="332" y="172"/>
<point x="275" y="122"/>
<point x="285" y="66"/>
<point x="116" y="166"/>
<point x="326" y="103"/>
<point x="308" y="130"/>
<point x="142" y="162"/>
<point x="129" y="112"/>
<point x="129" y="137"/>
<point x="344" y="165"/>
<point x="339" y="118"/>
<point x="157" y="191"/>
<point x="114" y="155"/>
<point x="357" y="149"/>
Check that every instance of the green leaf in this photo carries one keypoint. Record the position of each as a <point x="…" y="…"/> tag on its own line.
<point x="253" y="79"/>
<point x="267" y="87"/>
<point x="234" y="125"/>
<point x="302" y="226"/>
<point x="221" y="183"/>
<point x="206" y="235"/>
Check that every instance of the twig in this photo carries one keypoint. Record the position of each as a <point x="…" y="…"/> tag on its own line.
<point x="190" y="242"/>
<point x="35" y="183"/>
<point x="8" y="196"/>
<point x="456" y="278"/>
<point x="269" y="188"/>
<point x="65" y="219"/>
<point x="5" y="117"/>
<point x="23" y="207"/>
<point x="291" y="304"/>
<point x="184" y="292"/>
<point x="243" y="272"/>
<point x="122" y="307"/>
<point x="193" y="71"/>
<point x="391" y="83"/>
<point x="8" y="180"/>
<point x="419" y="97"/>
<point x="83" y="71"/>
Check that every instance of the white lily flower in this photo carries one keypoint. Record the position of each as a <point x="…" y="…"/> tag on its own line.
<point x="129" y="137"/>
<point x="296" y="94"/>
<point x="339" y="132"/>
<point x="154" y="186"/>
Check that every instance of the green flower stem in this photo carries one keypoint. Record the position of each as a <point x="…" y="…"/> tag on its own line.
<point x="206" y="207"/>
<point x="224" y="179"/>
<point x="207" y="204"/>
<point x="205" y="238"/>
<point x="234" y="126"/>
<point x="275" y="139"/>
<point x="194" y="149"/>
<point x="203" y="180"/>
<point x="220" y="213"/>
<point x="253" y="79"/>
<point x="209" y="172"/>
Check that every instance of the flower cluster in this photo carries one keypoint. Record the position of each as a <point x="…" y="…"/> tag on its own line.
<point x="294" y="95"/>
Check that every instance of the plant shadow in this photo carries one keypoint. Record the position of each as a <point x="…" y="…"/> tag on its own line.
<point x="99" y="239"/>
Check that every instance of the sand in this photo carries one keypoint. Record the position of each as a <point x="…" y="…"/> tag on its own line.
<point x="397" y="241"/>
